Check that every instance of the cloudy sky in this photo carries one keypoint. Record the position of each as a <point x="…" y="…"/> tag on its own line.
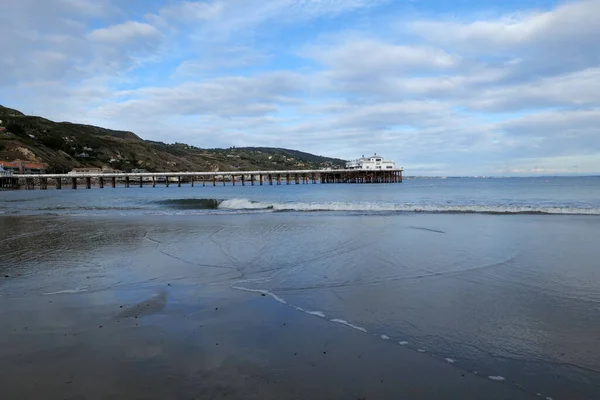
<point x="459" y="87"/>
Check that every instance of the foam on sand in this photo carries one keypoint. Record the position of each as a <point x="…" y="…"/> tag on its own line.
<point x="403" y="343"/>
<point x="496" y="378"/>
<point x="385" y="337"/>
<point x="344" y="322"/>
<point x="317" y="313"/>
<point x="68" y="291"/>
<point x="265" y="292"/>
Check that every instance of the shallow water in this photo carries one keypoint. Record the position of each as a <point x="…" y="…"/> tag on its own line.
<point x="513" y="297"/>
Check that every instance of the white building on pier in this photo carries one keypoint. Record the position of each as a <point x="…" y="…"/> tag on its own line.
<point x="373" y="162"/>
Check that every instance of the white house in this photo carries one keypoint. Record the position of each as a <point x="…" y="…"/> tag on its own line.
<point x="4" y="172"/>
<point x="373" y="162"/>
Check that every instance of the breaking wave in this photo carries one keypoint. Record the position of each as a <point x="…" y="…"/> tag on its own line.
<point x="191" y="204"/>
<point x="369" y="207"/>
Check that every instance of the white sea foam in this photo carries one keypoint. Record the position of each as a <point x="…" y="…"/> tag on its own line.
<point x="265" y="292"/>
<point x="451" y="361"/>
<point x="242" y="204"/>
<point x="496" y="378"/>
<point x="421" y="350"/>
<point x="245" y="204"/>
<point x="317" y="313"/>
<point x="344" y="322"/>
<point x="385" y="337"/>
<point x="69" y="291"/>
<point x="403" y="343"/>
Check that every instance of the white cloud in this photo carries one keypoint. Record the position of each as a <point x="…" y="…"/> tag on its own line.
<point x="558" y="40"/>
<point x="227" y="97"/>
<point x="366" y="56"/>
<point x="580" y="88"/>
<point x="573" y="22"/>
<point x="189" y="12"/>
<point x="218" y="58"/>
<point x="125" y="32"/>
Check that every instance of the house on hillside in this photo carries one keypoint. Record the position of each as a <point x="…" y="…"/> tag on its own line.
<point x="373" y="162"/>
<point x="93" y="170"/>
<point x="4" y="173"/>
<point x="85" y="170"/>
<point x="23" y="167"/>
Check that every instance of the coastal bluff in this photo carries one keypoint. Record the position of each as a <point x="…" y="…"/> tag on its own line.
<point x="63" y="146"/>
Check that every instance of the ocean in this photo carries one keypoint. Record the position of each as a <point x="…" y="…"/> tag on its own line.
<point x="497" y="277"/>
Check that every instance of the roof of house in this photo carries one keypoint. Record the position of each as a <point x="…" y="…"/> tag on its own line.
<point x="35" y="166"/>
<point x="26" y="165"/>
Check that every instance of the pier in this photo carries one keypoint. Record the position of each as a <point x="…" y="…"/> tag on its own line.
<point x="233" y="178"/>
<point x="9" y="182"/>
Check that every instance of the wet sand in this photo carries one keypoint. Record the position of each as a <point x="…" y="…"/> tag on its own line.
<point x="232" y="307"/>
<point x="208" y="345"/>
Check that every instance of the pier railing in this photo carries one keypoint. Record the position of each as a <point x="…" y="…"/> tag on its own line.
<point x="243" y="178"/>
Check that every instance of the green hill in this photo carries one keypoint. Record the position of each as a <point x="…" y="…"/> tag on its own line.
<point x="64" y="146"/>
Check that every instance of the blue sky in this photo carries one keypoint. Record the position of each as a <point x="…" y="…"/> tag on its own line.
<point x="444" y="88"/>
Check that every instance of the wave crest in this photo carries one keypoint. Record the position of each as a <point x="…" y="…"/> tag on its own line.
<point x="240" y="204"/>
<point x="191" y="204"/>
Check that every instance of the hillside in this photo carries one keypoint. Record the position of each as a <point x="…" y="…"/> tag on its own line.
<point x="64" y="146"/>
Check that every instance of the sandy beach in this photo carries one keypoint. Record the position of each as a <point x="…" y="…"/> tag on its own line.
<point x="125" y="295"/>
<point x="209" y="346"/>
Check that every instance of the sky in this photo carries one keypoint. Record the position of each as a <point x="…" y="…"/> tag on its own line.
<point x="442" y="87"/>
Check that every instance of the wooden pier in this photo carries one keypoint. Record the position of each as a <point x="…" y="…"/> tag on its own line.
<point x="9" y="182"/>
<point x="233" y="178"/>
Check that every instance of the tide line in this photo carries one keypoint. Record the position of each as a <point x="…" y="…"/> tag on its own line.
<point x="497" y="378"/>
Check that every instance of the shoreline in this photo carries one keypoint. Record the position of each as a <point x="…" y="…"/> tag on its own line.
<point x="234" y="346"/>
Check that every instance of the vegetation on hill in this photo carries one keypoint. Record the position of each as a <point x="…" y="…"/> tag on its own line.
<point x="64" y="146"/>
